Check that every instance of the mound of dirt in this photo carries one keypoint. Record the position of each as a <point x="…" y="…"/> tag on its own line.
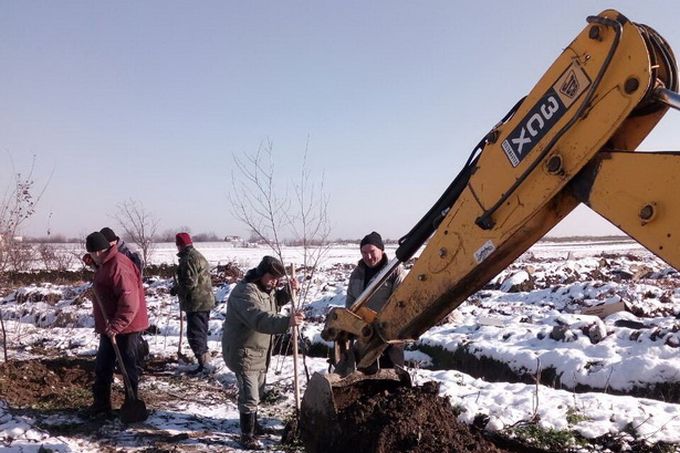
<point x="65" y="383"/>
<point x="403" y="419"/>
<point x="59" y="383"/>
<point x="226" y="274"/>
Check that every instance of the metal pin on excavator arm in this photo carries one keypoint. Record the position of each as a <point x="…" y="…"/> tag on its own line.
<point x="570" y="141"/>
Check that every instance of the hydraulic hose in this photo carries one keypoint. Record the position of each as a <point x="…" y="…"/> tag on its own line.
<point x="411" y="242"/>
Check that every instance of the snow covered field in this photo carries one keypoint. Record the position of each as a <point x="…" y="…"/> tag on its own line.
<point x="616" y="378"/>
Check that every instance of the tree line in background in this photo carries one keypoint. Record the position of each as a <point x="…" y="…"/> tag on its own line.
<point x="168" y="235"/>
<point x="277" y="213"/>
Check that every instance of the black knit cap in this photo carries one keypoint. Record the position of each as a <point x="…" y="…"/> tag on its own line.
<point x="373" y="238"/>
<point x="109" y="234"/>
<point x="96" y="242"/>
<point x="270" y="265"/>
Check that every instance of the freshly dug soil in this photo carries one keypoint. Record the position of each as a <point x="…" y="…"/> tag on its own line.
<point x="60" y="383"/>
<point x="404" y="419"/>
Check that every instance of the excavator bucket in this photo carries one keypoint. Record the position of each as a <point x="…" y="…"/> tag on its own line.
<point x="327" y="395"/>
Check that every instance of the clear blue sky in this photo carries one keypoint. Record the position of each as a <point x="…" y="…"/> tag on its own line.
<point x="150" y="100"/>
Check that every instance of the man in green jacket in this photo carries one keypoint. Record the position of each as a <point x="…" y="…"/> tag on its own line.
<point x="196" y="297"/>
<point x="252" y="318"/>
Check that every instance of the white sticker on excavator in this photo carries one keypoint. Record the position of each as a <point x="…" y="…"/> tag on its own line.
<point x="549" y="109"/>
<point x="484" y="251"/>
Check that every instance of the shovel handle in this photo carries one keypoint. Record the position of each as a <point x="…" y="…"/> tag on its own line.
<point x="181" y="332"/>
<point x="295" y="334"/>
<point x="181" y="323"/>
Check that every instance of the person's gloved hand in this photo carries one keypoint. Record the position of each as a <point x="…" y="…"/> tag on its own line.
<point x="173" y="290"/>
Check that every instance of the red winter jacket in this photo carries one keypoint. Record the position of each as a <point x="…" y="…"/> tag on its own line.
<point x="118" y="286"/>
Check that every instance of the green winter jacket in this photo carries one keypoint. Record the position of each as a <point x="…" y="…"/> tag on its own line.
<point x="252" y="318"/>
<point x="194" y="287"/>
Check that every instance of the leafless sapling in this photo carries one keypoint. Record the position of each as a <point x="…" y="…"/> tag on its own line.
<point x="139" y="225"/>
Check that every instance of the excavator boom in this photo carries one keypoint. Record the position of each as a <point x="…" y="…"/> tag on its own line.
<point x="601" y="94"/>
<point x="571" y="140"/>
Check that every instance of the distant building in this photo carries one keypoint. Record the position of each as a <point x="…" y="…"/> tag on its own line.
<point x="233" y="238"/>
<point x="3" y="237"/>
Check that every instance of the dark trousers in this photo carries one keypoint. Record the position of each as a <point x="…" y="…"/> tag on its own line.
<point x="106" y="361"/>
<point x="197" y="331"/>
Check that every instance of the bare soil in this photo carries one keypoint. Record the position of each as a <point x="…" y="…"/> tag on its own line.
<point x="401" y="419"/>
<point x="55" y="391"/>
<point x="58" y="383"/>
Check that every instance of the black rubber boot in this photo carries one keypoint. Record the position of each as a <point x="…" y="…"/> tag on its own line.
<point x="203" y="361"/>
<point x="198" y="370"/>
<point x="261" y="429"/>
<point x="248" y="439"/>
<point x="101" y="407"/>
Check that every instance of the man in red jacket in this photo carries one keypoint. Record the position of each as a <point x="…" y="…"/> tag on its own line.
<point x="118" y="287"/>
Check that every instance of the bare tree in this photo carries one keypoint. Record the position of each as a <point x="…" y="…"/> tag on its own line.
<point x="138" y="225"/>
<point x="168" y="235"/>
<point x="205" y="237"/>
<point x="266" y="207"/>
<point x="17" y="205"/>
<point x="256" y="201"/>
<point x="309" y="222"/>
<point x="269" y="213"/>
<point x="54" y="259"/>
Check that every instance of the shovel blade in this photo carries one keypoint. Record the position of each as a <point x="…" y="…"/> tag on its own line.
<point x="133" y="410"/>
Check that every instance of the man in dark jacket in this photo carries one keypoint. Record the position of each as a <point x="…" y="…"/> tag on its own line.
<point x="252" y="318"/>
<point x="373" y="259"/>
<point x="123" y="247"/>
<point x="118" y="290"/>
<point x="196" y="297"/>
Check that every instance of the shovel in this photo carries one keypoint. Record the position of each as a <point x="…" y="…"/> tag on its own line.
<point x="180" y="355"/>
<point x="133" y="409"/>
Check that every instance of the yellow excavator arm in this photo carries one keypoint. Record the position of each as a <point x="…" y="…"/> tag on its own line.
<point x="570" y="141"/>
